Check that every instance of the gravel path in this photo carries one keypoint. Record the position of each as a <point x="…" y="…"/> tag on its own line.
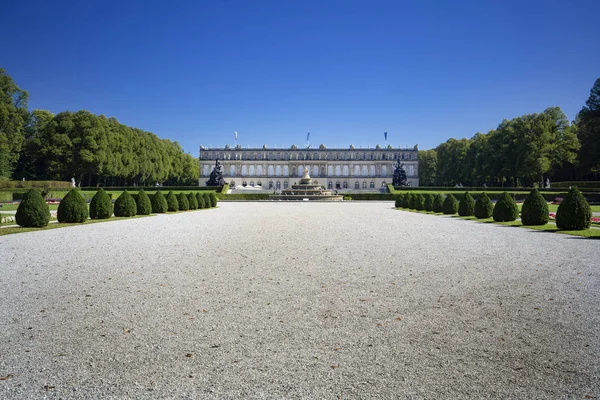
<point x="299" y="300"/>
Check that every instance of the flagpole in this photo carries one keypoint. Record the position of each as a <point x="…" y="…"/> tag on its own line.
<point x="235" y="138"/>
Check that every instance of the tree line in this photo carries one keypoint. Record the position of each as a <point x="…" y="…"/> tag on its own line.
<point x="522" y="151"/>
<point x="93" y="149"/>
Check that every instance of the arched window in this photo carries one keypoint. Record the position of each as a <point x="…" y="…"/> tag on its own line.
<point x="372" y="170"/>
<point x="337" y="185"/>
<point x="270" y="156"/>
<point x="286" y="170"/>
<point x="232" y="170"/>
<point x="270" y="170"/>
<point x="251" y="170"/>
<point x="244" y="170"/>
<point x="243" y="156"/>
<point x="338" y="170"/>
<point x="345" y="185"/>
<point x="308" y="157"/>
<point x="356" y="185"/>
<point x="278" y="156"/>
<point x="372" y="185"/>
<point x="301" y="156"/>
<point x="286" y="156"/>
<point x="244" y="184"/>
<point x="322" y="171"/>
<point x="383" y="156"/>
<point x="300" y="170"/>
<point x="411" y="170"/>
<point x="278" y="170"/>
<point x="372" y="156"/>
<point x="315" y="156"/>
<point x="278" y="185"/>
<point x="364" y="184"/>
<point x="285" y="184"/>
<point x="383" y="170"/>
<point x="383" y="184"/>
<point x="251" y="183"/>
<point x="270" y="184"/>
<point x="356" y="170"/>
<point x="232" y="184"/>
<point x="364" y="156"/>
<point x="346" y="171"/>
<point x="259" y="183"/>
<point x="337" y="156"/>
<point x="315" y="171"/>
<point x="329" y="185"/>
<point x="330" y="170"/>
<point x="365" y="171"/>
<point x="259" y="170"/>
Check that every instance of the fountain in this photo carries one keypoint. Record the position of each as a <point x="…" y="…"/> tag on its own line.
<point x="306" y="191"/>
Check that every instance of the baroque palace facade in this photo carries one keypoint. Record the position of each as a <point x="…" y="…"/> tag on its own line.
<point x="349" y="169"/>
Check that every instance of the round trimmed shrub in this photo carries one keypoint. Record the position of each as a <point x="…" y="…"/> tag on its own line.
<point x="483" y="207"/>
<point x="535" y="209"/>
<point x="72" y="208"/>
<point x="159" y="203"/>
<point x="438" y="203"/>
<point x="574" y="212"/>
<point x="142" y="202"/>
<point x="200" y="198"/>
<point x="207" y="202"/>
<point x="172" y="203"/>
<point x="450" y="205"/>
<point x="428" y="202"/>
<point x="101" y="206"/>
<point x="213" y="199"/>
<point x="466" y="206"/>
<point x="33" y="211"/>
<point x="125" y="205"/>
<point x="505" y="209"/>
<point x="398" y="202"/>
<point x="419" y="202"/>
<point x="192" y="200"/>
<point x="184" y="204"/>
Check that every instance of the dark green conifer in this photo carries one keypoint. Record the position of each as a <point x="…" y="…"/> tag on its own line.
<point x="207" y="202"/>
<point x="505" y="209"/>
<point x="483" y="207"/>
<point x="398" y="202"/>
<point x="466" y="206"/>
<point x="200" y="198"/>
<point x="33" y="211"/>
<point x="438" y="203"/>
<point x="72" y="208"/>
<point x="535" y="209"/>
<point x="428" y="202"/>
<point x="172" y="202"/>
<point x="183" y="202"/>
<point x="143" y="204"/>
<point x="574" y="212"/>
<point x="101" y="206"/>
<point x="159" y="203"/>
<point x="406" y="200"/>
<point x="213" y="199"/>
<point x="450" y="206"/>
<point x="125" y="205"/>
<point x="192" y="200"/>
<point x="419" y="202"/>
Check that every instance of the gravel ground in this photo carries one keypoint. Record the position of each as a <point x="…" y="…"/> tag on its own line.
<point x="299" y="300"/>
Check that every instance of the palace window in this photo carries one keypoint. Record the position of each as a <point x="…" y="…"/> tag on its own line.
<point x="337" y="185"/>
<point x="270" y="184"/>
<point x="372" y="185"/>
<point x="232" y="184"/>
<point x="315" y="156"/>
<point x="232" y="170"/>
<point x="244" y="184"/>
<point x="251" y="183"/>
<point x="364" y="184"/>
<point x="329" y="185"/>
<point x="356" y="185"/>
<point x="345" y="185"/>
<point x="278" y="185"/>
<point x="383" y="184"/>
<point x="285" y="184"/>
<point x="259" y="183"/>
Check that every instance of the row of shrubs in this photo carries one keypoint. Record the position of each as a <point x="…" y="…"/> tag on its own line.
<point x="34" y="211"/>
<point x="574" y="212"/>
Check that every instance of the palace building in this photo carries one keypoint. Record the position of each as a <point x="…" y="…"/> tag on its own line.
<point x="349" y="169"/>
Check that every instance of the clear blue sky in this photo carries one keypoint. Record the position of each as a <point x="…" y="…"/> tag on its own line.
<point x="196" y="71"/>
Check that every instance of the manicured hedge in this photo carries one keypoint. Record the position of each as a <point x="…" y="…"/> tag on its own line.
<point x="466" y="206"/>
<point x="192" y="201"/>
<point x="534" y="210"/>
<point x="200" y="199"/>
<point x="172" y="203"/>
<point x="125" y="205"/>
<point x="505" y="209"/>
<point x="438" y="203"/>
<point x="159" y="203"/>
<point x="450" y="206"/>
<point x="35" y="184"/>
<point x="72" y="208"/>
<point x="428" y="201"/>
<point x="483" y="207"/>
<point x="574" y="212"/>
<point x="33" y="210"/>
<point x="143" y="204"/>
<point x="101" y="206"/>
<point x="579" y="184"/>
<point x="183" y="202"/>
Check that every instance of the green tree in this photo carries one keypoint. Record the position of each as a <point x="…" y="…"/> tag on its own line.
<point x="142" y="202"/>
<point x="450" y="206"/>
<point x="588" y="131"/>
<point x="200" y="198"/>
<point x="183" y="202"/>
<point x="438" y="203"/>
<point x="13" y="115"/>
<point x="159" y="203"/>
<point x="427" y="167"/>
<point x="172" y="203"/>
<point x="125" y="205"/>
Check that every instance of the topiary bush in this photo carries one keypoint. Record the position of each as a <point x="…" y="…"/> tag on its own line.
<point x="438" y="203"/>
<point x="419" y="202"/>
<point x="125" y="205"/>
<point x="101" y="206"/>
<point x="406" y="200"/>
<point x="143" y="204"/>
<point x="466" y="206"/>
<point x="72" y="208"/>
<point x="398" y="202"/>
<point x="207" y="201"/>
<point x="535" y="209"/>
<point x="184" y="204"/>
<point x="213" y="199"/>
<point x="483" y="207"/>
<point x="574" y="212"/>
<point x="450" y="205"/>
<point x="33" y="212"/>
<point x="172" y="203"/>
<point x="412" y="204"/>
<point x="159" y="203"/>
<point x="192" y="200"/>
<point x="505" y="209"/>
<point x="200" y="198"/>
<point x="428" y="201"/>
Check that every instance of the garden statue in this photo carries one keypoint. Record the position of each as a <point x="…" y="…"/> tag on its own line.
<point x="216" y="176"/>
<point x="399" y="178"/>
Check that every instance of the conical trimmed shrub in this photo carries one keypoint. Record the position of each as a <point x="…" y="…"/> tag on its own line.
<point x="574" y="212"/>
<point x="213" y="199"/>
<point x="207" y="202"/>
<point x="184" y="204"/>
<point x="72" y="208"/>
<point x="419" y="202"/>
<point x="192" y="200"/>
<point x="33" y="211"/>
<point x="406" y="200"/>
<point x="200" y="198"/>
<point x="438" y="203"/>
<point x="159" y="203"/>
<point x="172" y="203"/>
<point x="143" y="204"/>
<point x="505" y="209"/>
<point x="413" y="201"/>
<point x="125" y="205"/>
<point x="535" y="209"/>
<point x="101" y="206"/>
<point x="428" y="201"/>
<point x="466" y="206"/>
<point x="483" y="207"/>
<point x="450" y="206"/>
